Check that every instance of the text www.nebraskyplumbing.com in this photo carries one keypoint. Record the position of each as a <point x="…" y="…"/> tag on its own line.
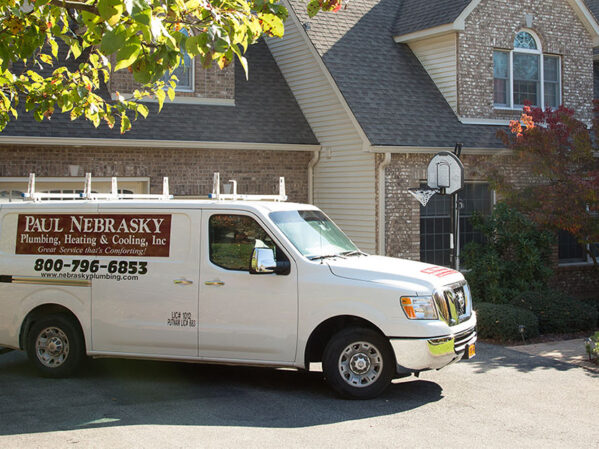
<point x="91" y="276"/>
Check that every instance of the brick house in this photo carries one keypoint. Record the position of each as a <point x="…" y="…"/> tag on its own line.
<point x="349" y="107"/>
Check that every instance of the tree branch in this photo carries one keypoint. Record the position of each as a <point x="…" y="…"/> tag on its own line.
<point x="74" y="5"/>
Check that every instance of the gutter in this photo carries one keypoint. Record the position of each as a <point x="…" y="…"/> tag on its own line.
<point x="149" y="143"/>
<point x="311" y="164"/>
<point x="434" y="150"/>
<point x="382" y="218"/>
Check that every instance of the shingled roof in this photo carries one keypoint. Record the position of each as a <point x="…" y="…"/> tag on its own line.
<point x="265" y="111"/>
<point x="417" y="15"/>
<point x="593" y="6"/>
<point x="389" y="92"/>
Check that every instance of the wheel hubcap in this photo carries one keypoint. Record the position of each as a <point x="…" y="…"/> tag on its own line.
<point x="360" y="364"/>
<point x="52" y="347"/>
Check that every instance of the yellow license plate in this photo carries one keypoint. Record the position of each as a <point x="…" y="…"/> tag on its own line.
<point x="471" y="351"/>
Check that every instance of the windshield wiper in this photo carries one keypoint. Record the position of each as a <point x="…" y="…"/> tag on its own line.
<point x="326" y="256"/>
<point x="355" y="252"/>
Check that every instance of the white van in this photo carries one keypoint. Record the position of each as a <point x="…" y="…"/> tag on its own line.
<point x="237" y="282"/>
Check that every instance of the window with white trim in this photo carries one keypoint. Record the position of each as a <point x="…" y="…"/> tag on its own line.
<point x="184" y="73"/>
<point x="570" y="251"/>
<point x="526" y="74"/>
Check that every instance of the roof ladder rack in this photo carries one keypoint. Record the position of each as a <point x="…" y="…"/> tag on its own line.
<point x="87" y="194"/>
<point x="32" y="195"/>
<point x="217" y="195"/>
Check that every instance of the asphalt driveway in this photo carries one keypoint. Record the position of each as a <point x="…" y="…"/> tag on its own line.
<point x="502" y="398"/>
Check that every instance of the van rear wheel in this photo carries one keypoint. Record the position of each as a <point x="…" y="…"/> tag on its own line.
<point x="55" y="346"/>
<point x="358" y="363"/>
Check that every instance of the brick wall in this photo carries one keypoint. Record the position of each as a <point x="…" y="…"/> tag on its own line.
<point x="190" y="171"/>
<point x="494" y="24"/>
<point x="403" y="211"/>
<point x="208" y="83"/>
<point x="578" y="280"/>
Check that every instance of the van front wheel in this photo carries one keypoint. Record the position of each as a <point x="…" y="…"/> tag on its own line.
<point x="358" y="363"/>
<point x="55" y="346"/>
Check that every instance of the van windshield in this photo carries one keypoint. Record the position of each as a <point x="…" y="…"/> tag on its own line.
<point x="313" y="234"/>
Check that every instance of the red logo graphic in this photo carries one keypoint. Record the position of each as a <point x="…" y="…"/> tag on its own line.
<point x="439" y="271"/>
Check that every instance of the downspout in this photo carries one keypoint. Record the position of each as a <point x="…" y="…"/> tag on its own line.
<point x="311" y="164"/>
<point x="381" y="219"/>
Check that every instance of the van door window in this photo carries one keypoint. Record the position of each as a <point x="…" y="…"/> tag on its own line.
<point x="233" y="238"/>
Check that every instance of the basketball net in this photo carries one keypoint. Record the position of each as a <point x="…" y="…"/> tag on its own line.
<point x="423" y="194"/>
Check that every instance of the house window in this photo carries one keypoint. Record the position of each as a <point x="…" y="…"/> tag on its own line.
<point x="435" y="222"/>
<point x="526" y="74"/>
<point x="184" y="73"/>
<point x="570" y="251"/>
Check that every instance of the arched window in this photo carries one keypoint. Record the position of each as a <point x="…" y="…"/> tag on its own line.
<point x="526" y="74"/>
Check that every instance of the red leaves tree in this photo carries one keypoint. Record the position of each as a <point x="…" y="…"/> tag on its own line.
<point x="561" y="154"/>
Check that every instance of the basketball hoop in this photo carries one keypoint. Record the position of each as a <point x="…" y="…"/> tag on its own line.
<point x="423" y="194"/>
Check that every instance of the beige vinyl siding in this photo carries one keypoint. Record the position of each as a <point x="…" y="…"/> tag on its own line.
<point x="438" y="56"/>
<point x="344" y="177"/>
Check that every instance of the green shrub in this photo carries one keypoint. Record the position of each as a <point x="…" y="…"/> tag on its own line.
<point x="592" y="302"/>
<point x="557" y="312"/>
<point x="515" y="257"/>
<point x="502" y="322"/>
<point x="592" y="347"/>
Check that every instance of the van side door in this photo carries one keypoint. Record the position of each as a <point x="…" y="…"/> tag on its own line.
<point x="147" y="304"/>
<point x="244" y="316"/>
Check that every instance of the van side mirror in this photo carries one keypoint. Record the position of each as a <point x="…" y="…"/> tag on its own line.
<point x="263" y="262"/>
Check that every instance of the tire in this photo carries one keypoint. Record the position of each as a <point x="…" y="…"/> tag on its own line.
<point x="55" y="346"/>
<point x="358" y="363"/>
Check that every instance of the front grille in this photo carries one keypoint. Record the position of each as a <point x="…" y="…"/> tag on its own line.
<point x="452" y="303"/>
<point x="463" y="338"/>
<point x="460" y="300"/>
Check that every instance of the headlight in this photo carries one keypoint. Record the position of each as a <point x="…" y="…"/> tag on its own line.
<point x="419" y="307"/>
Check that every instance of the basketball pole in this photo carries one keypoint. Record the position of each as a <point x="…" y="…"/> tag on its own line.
<point x="455" y="221"/>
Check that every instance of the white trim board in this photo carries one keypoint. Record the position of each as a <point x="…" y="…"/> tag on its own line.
<point x="182" y="100"/>
<point x="485" y="121"/>
<point x="147" y="143"/>
<point x="435" y="150"/>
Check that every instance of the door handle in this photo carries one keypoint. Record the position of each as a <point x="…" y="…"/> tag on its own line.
<point x="217" y="283"/>
<point x="182" y="282"/>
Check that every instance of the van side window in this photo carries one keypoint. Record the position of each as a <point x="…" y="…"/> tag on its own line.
<point x="233" y="238"/>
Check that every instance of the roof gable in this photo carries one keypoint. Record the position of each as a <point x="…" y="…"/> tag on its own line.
<point x="417" y="19"/>
<point x="416" y="15"/>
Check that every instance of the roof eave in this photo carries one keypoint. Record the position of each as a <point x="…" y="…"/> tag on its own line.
<point x="587" y="19"/>
<point x="405" y="149"/>
<point x="151" y="143"/>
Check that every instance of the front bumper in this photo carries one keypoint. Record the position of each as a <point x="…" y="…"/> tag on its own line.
<point x="416" y="354"/>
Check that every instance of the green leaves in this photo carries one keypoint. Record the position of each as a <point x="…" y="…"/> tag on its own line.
<point x="147" y="38"/>
<point x="113" y="40"/>
<point x="160" y="96"/>
<point x="128" y="53"/>
<point x="111" y="10"/>
<point x="313" y="8"/>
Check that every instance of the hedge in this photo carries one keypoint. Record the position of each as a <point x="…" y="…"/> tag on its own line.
<point x="502" y="322"/>
<point x="557" y="312"/>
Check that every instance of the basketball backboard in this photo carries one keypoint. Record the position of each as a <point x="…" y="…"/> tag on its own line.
<point x="446" y="172"/>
